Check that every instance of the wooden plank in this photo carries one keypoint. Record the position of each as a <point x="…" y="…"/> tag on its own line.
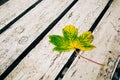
<point x="24" y="31"/>
<point x="107" y="41"/>
<point x="44" y="64"/>
<point x="12" y="9"/>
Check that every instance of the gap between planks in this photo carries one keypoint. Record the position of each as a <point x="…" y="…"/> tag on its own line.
<point x="73" y="56"/>
<point x="13" y="10"/>
<point x="57" y="7"/>
<point x="46" y="64"/>
<point x="107" y="41"/>
<point x="3" y="2"/>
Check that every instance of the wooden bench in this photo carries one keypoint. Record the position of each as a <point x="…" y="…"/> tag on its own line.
<point x="25" y="50"/>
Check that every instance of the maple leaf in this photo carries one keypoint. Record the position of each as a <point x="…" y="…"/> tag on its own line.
<point x="70" y="40"/>
<point x="85" y="40"/>
<point x="61" y="44"/>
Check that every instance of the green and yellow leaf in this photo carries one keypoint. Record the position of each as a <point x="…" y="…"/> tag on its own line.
<point x="61" y="44"/>
<point x="70" y="32"/>
<point x="86" y="37"/>
<point x="70" y="40"/>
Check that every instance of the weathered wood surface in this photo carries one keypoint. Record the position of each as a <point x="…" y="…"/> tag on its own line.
<point x="107" y="41"/>
<point x="42" y="63"/>
<point x="12" y="9"/>
<point x="14" y="41"/>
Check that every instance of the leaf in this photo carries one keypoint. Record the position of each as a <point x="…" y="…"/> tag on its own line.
<point x="60" y="42"/>
<point x="86" y="37"/>
<point x="57" y="40"/>
<point x="70" y="32"/>
<point x="85" y="40"/>
<point x="86" y="46"/>
<point x="70" y="40"/>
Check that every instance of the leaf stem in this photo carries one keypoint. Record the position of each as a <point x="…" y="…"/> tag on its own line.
<point x="79" y="55"/>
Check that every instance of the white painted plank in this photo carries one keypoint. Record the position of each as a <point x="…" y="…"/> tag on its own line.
<point x="44" y="64"/>
<point x="15" y="40"/>
<point x="107" y="41"/>
<point x="12" y="9"/>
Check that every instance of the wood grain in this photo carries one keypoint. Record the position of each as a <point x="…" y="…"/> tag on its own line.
<point x="107" y="41"/>
<point x="44" y="64"/>
<point x="21" y="34"/>
<point x="12" y="9"/>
